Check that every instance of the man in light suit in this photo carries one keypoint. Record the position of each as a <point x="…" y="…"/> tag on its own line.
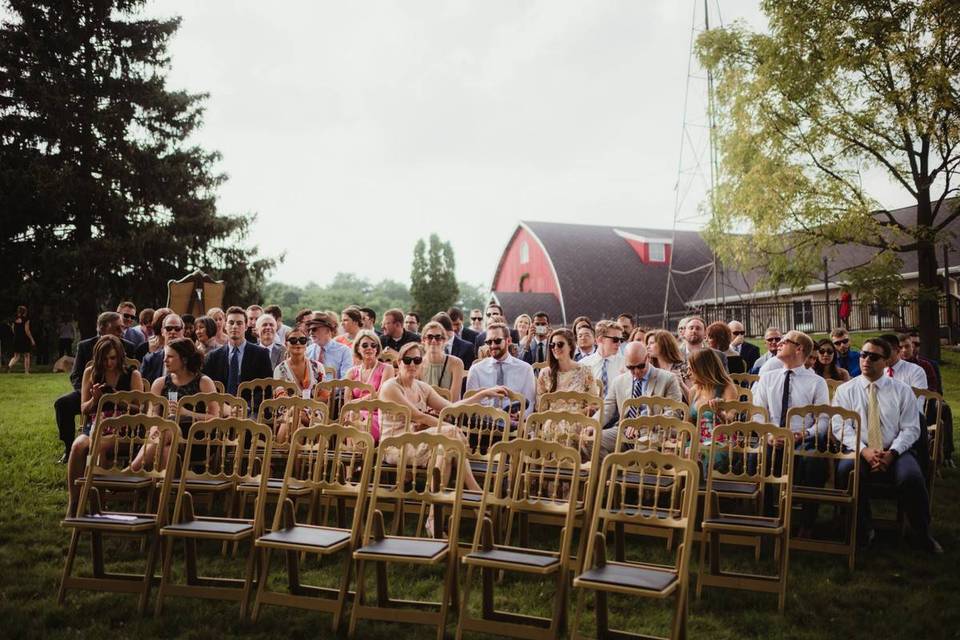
<point x="640" y="379"/>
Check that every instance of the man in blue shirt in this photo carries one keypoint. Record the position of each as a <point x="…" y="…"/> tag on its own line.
<point x="847" y="358"/>
<point x="324" y="349"/>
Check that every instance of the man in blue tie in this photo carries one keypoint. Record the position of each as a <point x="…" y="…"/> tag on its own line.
<point x="237" y="361"/>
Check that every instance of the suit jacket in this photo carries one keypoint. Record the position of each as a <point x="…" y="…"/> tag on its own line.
<point x="152" y="366"/>
<point x="750" y="353"/>
<point x="661" y="383"/>
<point x="529" y="353"/>
<point x="463" y="350"/>
<point x="277" y="353"/>
<point x="255" y="363"/>
<point x="469" y="335"/>
<point x="85" y="353"/>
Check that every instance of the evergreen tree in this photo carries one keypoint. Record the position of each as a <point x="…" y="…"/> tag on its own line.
<point x="101" y="196"/>
<point x="433" y="281"/>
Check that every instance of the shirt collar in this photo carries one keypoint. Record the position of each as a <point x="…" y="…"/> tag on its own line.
<point x="238" y="348"/>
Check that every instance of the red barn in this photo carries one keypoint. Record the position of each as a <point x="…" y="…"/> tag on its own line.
<point x="568" y="270"/>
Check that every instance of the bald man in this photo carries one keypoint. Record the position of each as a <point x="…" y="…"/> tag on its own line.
<point x="749" y="352"/>
<point x="640" y="379"/>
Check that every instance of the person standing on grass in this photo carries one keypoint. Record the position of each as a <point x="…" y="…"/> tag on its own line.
<point x="23" y="342"/>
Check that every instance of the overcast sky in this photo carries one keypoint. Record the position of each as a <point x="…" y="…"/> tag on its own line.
<point x="354" y="128"/>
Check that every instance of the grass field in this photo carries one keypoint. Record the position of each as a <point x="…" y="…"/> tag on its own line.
<point x="895" y="592"/>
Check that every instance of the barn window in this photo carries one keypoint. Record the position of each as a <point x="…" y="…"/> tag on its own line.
<point x="657" y="252"/>
<point x="524" y="253"/>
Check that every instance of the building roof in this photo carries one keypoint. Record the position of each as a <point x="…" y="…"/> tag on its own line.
<point x="515" y="303"/>
<point x="601" y="275"/>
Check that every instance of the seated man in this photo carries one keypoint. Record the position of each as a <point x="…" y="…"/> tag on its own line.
<point x="238" y="360"/>
<point x="889" y="426"/>
<point x="642" y="379"/>
<point x="152" y="366"/>
<point x="606" y="361"/>
<point x="325" y="349"/>
<point x="772" y="339"/>
<point x="501" y="368"/>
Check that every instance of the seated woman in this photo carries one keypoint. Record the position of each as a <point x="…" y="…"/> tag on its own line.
<point x="220" y="318"/>
<point x="563" y="373"/>
<point x="710" y="384"/>
<point x="296" y="367"/>
<point x="182" y="362"/>
<point x="664" y="353"/>
<point x="205" y="330"/>
<point x="425" y="405"/>
<point x="826" y="364"/>
<point x="637" y="335"/>
<point x="371" y="370"/>
<point x="106" y="373"/>
<point x="719" y="337"/>
<point x="440" y="369"/>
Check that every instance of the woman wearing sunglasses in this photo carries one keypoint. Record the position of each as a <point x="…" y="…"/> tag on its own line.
<point x="296" y="367"/>
<point x="371" y="370"/>
<point x="425" y="404"/>
<point x="826" y="364"/>
<point x="563" y="373"/>
<point x="440" y="369"/>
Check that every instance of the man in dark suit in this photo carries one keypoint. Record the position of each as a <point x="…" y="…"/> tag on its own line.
<point x="536" y="349"/>
<point x="454" y="345"/>
<point x="238" y="360"/>
<point x="749" y="352"/>
<point x="152" y="366"/>
<point x="463" y="332"/>
<point x="67" y="407"/>
<point x="493" y="310"/>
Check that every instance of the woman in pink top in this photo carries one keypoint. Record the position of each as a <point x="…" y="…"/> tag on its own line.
<point x="366" y="350"/>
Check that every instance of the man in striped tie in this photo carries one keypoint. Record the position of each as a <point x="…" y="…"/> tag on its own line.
<point x="889" y="426"/>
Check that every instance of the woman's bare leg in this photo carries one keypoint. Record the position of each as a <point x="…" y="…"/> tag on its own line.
<point x="76" y="463"/>
<point x="26" y="363"/>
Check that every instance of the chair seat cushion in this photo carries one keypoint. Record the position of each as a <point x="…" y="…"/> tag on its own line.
<point x="411" y="548"/>
<point x="650" y="479"/>
<point x="306" y="536"/>
<point x="630" y="576"/>
<point x="739" y="521"/>
<point x="732" y="486"/>
<point x="514" y="557"/>
<point x="210" y="526"/>
<point x="208" y="483"/>
<point x="115" y="520"/>
<point x="273" y="484"/>
<point x="123" y="480"/>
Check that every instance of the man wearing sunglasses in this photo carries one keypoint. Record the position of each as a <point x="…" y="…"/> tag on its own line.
<point x="889" y="429"/>
<point x="492" y="311"/>
<point x="152" y="366"/>
<point x="847" y="358"/>
<point x="502" y="369"/>
<point x="606" y="362"/>
<point x="748" y="351"/>
<point x="772" y="338"/>
<point x="641" y="379"/>
<point x="128" y="313"/>
<point x="325" y="349"/>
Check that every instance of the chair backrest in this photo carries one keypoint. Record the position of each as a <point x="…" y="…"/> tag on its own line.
<point x="443" y="392"/>
<point x="338" y="392"/>
<point x="744" y="395"/>
<point x="131" y="362"/>
<point x="260" y="389"/>
<point x="539" y="366"/>
<point x="285" y="415"/>
<point x="117" y="440"/>
<point x="329" y="373"/>
<point x="129" y="403"/>
<point x="573" y="430"/>
<point x="655" y="406"/>
<point x="483" y="426"/>
<point x="516" y="399"/>
<point x="219" y="386"/>
<point x="650" y="491"/>
<point x="233" y="449"/>
<point x="572" y="401"/>
<point x="933" y="416"/>
<point x="196" y="407"/>
<point x="388" y="356"/>
<point x="666" y="434"/>
<point x="330" y="459"/>
<point x="745" y="380"/>
<point x="750" y="452"/>
<point x="399" y="478"/>
<point x="361" y="413"/>
<point x="739" y="411"/>
<point x="834" y="426"/>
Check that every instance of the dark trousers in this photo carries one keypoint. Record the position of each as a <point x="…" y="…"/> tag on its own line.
<point x="65" y="347"/>
<point x="908" y="482"/>
<point x="67" y="408"/>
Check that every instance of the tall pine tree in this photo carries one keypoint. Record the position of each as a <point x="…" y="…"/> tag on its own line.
<point x="433" y="281"/>
<point x="101" y="196"/>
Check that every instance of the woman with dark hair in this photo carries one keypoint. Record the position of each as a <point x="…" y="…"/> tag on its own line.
<point x="826" y="364"/>
<point x="719" y="337"/>
<point x="664" y="353"/>
<point x="23" y="340"/>
<point x="562" y="372"/>
<point x="205" y="330"/>
<point x="106" y="373"/>
<point x="639" y="334"/>
<point x="189" y="328"/>
<point x="296" y="367"/>
<point x="710" y="384"/>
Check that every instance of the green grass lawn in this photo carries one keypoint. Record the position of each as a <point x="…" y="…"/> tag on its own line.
<point x="895" y="592"/>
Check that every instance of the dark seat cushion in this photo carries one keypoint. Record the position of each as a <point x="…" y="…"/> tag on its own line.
<point x="631" y="576"/>
<point x="209" y="526"/>
<point x="515" y="557"/>
<point x="208" y="483"/>
<point x="307" y="536"/>
<point x="425" y="549"/>
<point x="732" y="486"/>
<point x="131" y="481"/>
<point x="737" y="521"/>
<point x="650" y="480"/>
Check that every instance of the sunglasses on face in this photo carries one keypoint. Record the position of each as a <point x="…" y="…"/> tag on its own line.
<point x="476" y="318"/>
<point x="490" y="314"/>
<point x="300" y="340"/>
<point x="616" y="339"/>
<point x="493" y="341"/>
<point x="789" y="341"/>
<point x="637" y="367"/>
<point x="368" y="345"/>
<point x="773" y="339"/>
<point x="129" y="316"/>
<point x="434" y="337"/>
<point x="558" y="345"/>
<point x="173" y="327"/>
<point x="739" y="333"/>
<point x="871" y="356"/>
<point x="411" y="360"/>
<point x="826" y="352"/>
<point x="840" y="342"/>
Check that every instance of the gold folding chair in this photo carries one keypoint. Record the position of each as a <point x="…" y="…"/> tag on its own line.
<point x="742" y="411"/>
<point x="518" y="407"/>
<point x="745" y="380"/>
<point x="442" y="392"/>
<point x="219" y="386"/>
<point x="113" y="440"/>
<point x="746" y="452"/>
<point x="329" y="373"/>
<point x="544" y="468"/>
<point x="326" y="458"/>
<point x="829" y="447"/>
<point x="644" y="490"/>
<point x="439" y="486"/>
<point x="572" y="401"/>
<point x="538" y="367"/>
<point x="337" y="393"/>
<point x="655" y="406"/>
<point x="236" y="450"/>
<point x="260" y="389"/>
<point x="745" y="395"/>
<point x="361" y="413"/>
<point x="933" y="419"/>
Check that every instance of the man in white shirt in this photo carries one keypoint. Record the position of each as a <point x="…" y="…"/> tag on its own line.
<point x="586" y="342"/>
<point x="889" y="427"/>
<point x="606" y="362"/>
<point x="502" y="369"/>
<point x="793" y="385"/>
<point x="908" y="373"/>
<point x="772" y="338"/>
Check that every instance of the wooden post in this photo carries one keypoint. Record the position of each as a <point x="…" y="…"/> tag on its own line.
<point x="946" y="291"/>
<point x="826" y="295"/>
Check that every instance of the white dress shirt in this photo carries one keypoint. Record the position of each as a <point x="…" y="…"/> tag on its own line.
<point x="899" y="419"/>
<point x="517" y="376"/>
<point x="773" y="364"/>
<point x="615" y="365"/>
<point x="912" y="375"/>
<point x="806" y="387"/>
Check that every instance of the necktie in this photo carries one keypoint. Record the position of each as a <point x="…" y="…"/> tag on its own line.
<point x="874" y="434"/>
<point x="233" y="376"/>
<point x="785" y="399"/>
<point x="320" y="353"/>
<point x="499" y="374"/>
<point x="603" y="374"/>
<point x="637" y="392"/>
<point x="890" y="371"/>
<point x="539" y="352"/>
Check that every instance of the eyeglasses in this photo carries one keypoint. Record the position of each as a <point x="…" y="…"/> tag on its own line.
<point x="637" y="367"/>
<point x="492" y="341"/>
<point x="617" y="339"/>
<point x="300" y="340"/>
<point x="789" y="341"/>
<point x="368" y="345"/>
<point x="826" y="352"/>
<point x="773" y="339"/>
<point x="490" y="314"/>
<point x="173" y="327"/>
<point x="434" y="337"/>
<point x="411" y="360"/>
<point x="476" y="318"/>
<point x="871" y="356"/>
<point x="558" y="345"/>
<point x="739" y="333"/>
<point x="842" y="341"/>
<point x="129" y="316"/>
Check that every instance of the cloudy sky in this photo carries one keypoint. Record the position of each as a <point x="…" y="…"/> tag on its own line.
<point x="354" y="128"/>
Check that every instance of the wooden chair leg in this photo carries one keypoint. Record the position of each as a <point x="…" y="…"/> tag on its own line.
<point x="167" y="546"/>
<point x="96" y="549"/>
<point x="68" y="565"/>
<point x="248" y="581"/>
<point x="346" y="574"/>
<point x="358" y="598"/>
<point x="704" y="543"/>
<point x="448" y="585"/>
<point x="261" y="586"/>
<point x="151" y="565"/>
